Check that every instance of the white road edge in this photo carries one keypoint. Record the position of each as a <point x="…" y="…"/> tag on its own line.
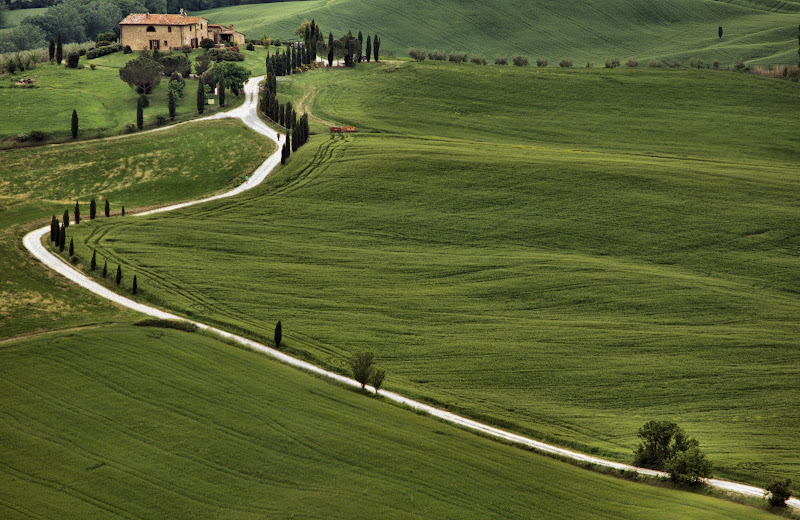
<point x="247" y="112"/>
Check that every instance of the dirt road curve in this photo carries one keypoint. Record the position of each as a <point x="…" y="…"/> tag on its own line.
<point x="247" y="113"/>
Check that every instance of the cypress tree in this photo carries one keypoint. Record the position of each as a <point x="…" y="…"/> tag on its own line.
<point x="62" y="238"/>
<point x="119" y="274"/>
<point x="295" y="140"/>
<point x="201" y="96"/>
<point x="65" y="219"/>
<point x="281" y="116"/>
<point x="123" y="211"/>
<point x="52" y="49"/>
<point x="135" y="287"/>
<point x="105" y="268"/>
<point x="53" y="228"/>
<point x="59" y="50"/>
<point x="108" y="208"/>
<point x="376" y="46"/>
<point x="798" y="44"/>
<point x="92" y="209"/>
<point x="71" y="248"/>
<point x="74" y="124"/>
<point x="171" y="105"/>
<point x="139" y="113"/>
<point x="93" y="264"/>
<point x="369" y="48"/>
<point x="278" y="334"/>
<point x="330" y="49"/>
<point x="222" y="91"/>
<point x="360" y="42"/>
<point x="77" y="213"/>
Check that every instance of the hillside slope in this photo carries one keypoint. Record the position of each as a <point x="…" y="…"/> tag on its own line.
<point x="755" y="30"/>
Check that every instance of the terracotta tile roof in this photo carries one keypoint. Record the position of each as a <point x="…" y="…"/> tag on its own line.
<point x="160" y="19"/>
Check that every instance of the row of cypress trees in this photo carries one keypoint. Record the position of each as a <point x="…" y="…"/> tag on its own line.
<point x="56" y="50"/>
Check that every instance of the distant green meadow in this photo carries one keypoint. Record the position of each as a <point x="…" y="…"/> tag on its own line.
<point x="758" y="31"/>
<point x="568" y="254"/>
<point x="150" y="422"/>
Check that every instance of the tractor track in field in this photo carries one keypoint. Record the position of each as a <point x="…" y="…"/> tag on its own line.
<point x="247" y="112"/>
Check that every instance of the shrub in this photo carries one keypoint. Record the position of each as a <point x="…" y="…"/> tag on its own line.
<point x="185" y="326"/>
<point x="127" y="49"/>
<point x="458" y="57"/>
<point x="437" y="56"/>
<point x="72" y="60"/>
<point x="520" y="61"/>
<point x="689" y="467"/>
<point x="674" y="64"/>
<point x="82" y="52"/>
<point x="130" y="128"/>
<point x="38" y="135"/>
<point x="22" y="137"/>
<point x="500" y="61"/>
<point x="161" y="119"/>
<point x="102" y="51"/>
<point x="207" y="43"/>
<point x="738" y="64"/>
<point x="478" y="60"/>
<point x="632" y="63"/>
<point x="176" y="63"/>
<point x="250" y="47"/>
<point x="362" y="365"/>
<point x="589" y="65"/>
<point x="92" y="66"/>
<point x="219" y="55"/>
<point x="612" y="63"/>
<point x="186" y="49"/>
<point x="377" y="378"/>
<point x="655" y="64"/>
<point x="541" y="62"/>
<point x="716" y="64"/>
<point x="565" y="63"/>
<point x="106" y="38"/>
<point x="696" y="63"/>
<point x="417" y="54"/>
<point x="779" y="492"/>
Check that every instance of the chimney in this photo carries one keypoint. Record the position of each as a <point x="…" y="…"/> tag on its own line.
<point x="147" y="15"/>
<point x="231" y="26"/>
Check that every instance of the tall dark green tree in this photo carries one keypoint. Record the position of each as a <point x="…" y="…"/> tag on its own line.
<point x="105" y="268"/>
<point x="139" y="113"/>
<point x="59" y="50"/>
<point x="53" y="228"/>
<point x="118" y="279"/>
<point x="369" y="48"/>
<point x="92" y="209"/>
<point x="798" y="44"/>
<point x="108" y="208"/>
<point x="278" y="334"/>
<point x="359" y="47"/>
<point x="93" y="263"/>
<point x="71" y="247"/>
<point x="123" y="211"/>
<point x="201" y="96"/>
<point x="281" y="116"/>
<point x="52" y="49"/>
<point x="171" y="104"/>
<point x="77" y="213"/>
<point x="330" y="49"/>
<point x="62" y="239"/>
<point x="284" y="154"/>
<point x="65" y="219"/>
<point x="719" y="31"/>
<point x="135" y="287"/>
<point x="376" y="47"/>
<point x="74" y="124"/>
<point x="221" y="91"/>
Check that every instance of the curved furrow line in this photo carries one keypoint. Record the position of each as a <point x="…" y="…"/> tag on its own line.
<point x="247" y="112"/>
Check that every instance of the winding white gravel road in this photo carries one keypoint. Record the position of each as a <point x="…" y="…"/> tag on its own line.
<point x="247" y="112"/>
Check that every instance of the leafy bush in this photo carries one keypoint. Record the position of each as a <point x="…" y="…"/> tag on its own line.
<point x="72" y="60"/>
<point x="478" y="60"/>
<point x="167" y="324"/>
<point x="127" y="49"/>
<point x="520" y="61"/>
<point x="130" y="128"/>
<point x="500" y="61"/>
<point x="612" y="63"/>
<point x="696" y="63"/>
<point x="589" y="65"/>
<point x="417" y="54"/>
<point x="716" y="64"/>
<point x="632" y="63"/>
<point x="161" y="119"/>
<point x="92" y="66"/>
<point x="38" y="135"/>
<point x="689" y="467"/>
<point x="541" y="62"/>
<point x="102" y="51"/>
<point x="738" y="64"/>
<point x="565" y="63"/>
<point x="779" y="492"/>
<point x="207" y="43"/>
<point x="82" y="52"/>
<point x="674" y="64"/>
<point x="106" y="38"/>
<point x="458" y="57"/>
<point x="250" y="47"/>
<point x="219" y="55"/>
<point x="175" y="63"/>
<point x="655" y="64"/>
<point x="186" y="49"/>
<point x="437" y="56"/>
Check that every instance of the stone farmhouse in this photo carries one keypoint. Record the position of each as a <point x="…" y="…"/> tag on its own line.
<point x="173" y="31"/>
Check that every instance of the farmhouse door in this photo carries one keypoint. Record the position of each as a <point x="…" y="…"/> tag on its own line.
<point x="154" y="44"/>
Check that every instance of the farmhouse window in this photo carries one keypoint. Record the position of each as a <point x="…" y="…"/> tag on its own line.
<point x="169" y="29"/>
<point x="150" y="28"/>
<point x="166" y="44"/>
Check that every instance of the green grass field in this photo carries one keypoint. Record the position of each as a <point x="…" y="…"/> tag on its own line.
<point x="566" y="253"/>
<point x="759" y="31"/>
<point x="134" y="171"/>
<point x="15" y="17"/>
<point x="105" y="104"/>
<point x="148" y="422"/>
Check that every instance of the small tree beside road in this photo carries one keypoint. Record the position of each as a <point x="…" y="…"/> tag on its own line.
<point x="779" y="492"/>
<point x="365" y="371"/>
